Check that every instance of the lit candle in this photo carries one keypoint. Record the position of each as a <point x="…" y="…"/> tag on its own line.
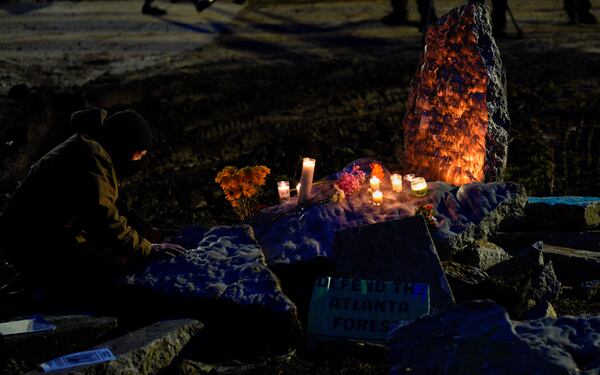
<point x="306" y="180"/>
<point x="283" y="187"/>
<point x="396" y="180"/>
<point x="407" y="179"/>
<point x="419" y="186"/>
<point x="298" y="189"/>
<point x="375" y="183"/>
<point x="377" y="197"/>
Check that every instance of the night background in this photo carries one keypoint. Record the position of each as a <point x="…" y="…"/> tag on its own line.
<point x="268" y="82"/>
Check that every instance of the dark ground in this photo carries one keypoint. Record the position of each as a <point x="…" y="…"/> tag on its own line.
<point x="259" y="97"/>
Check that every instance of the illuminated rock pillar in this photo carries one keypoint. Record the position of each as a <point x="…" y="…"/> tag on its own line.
<point x="456" y="126"/>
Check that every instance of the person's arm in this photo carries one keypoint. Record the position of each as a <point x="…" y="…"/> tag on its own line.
<point x="102" y="217"/>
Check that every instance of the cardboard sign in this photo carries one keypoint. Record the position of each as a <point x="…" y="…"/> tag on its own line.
<point x="363" y="310"/>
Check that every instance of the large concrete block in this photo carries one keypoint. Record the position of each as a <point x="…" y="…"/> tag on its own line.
<point x="145" y="351"/>
<point x="400" y="250"/>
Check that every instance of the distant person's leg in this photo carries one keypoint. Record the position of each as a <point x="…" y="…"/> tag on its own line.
<point x="399" y="14"/>
<point x="583" y="12"/>
<point x="424" y="7"/>
<point x="499" y="17"/>
<point x="570" y="8"/>
<point x="152" y="11"/>
<point x="203" y="4"/>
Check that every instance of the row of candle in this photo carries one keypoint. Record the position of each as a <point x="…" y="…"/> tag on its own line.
<point x="418" y="184"/>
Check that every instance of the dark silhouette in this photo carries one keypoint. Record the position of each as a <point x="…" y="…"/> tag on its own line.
<point x="152" y="11"/>
<point x="399" y="14"/>
<point x="579" y="11"/>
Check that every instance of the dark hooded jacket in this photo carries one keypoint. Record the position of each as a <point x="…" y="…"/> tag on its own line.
<point x="69" y="198"/>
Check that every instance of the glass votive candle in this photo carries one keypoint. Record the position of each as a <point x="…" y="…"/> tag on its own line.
<point x="407" y="179"/>
<point x="418" y="186"/>
<point x="283" y="187"/>
<point x="396" y="181"/>
<point x="375" y="183"/>
<point x="377" y="197"/>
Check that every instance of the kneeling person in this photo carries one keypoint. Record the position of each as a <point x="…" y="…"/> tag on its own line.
<point x="61" y="227"/>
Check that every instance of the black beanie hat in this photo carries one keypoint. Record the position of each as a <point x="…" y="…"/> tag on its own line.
<point x="126" y="132"/>
<point x="88" y="121"/>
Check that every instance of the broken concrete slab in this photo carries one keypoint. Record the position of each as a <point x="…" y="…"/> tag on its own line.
<point x="145" y="351"/>
<point x="513" y="242"/>
<point x="544" y="286"/>
<point x="523" y="281"/>
<point x="473" y="212"/>
<point x="511" y="282"/>
<point x="228" y="265"/>
<point x="524" y="262"/>
<point x="400" y="250"/>
<point x="478" y="337"/>
<point x="467" y="282"/>
<point x="225" y="283"/>
<point x="562" y="213"/>
<point x="19" y="353"/>
<point x="482" y="255"/>
<point x="570" y="342"/>
<point x="472" y="338"/>
<point x="573" y="266"/>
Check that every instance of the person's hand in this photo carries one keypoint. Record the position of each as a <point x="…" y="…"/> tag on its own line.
<point x="154" y="235"/>
<point x="166" y="250"/>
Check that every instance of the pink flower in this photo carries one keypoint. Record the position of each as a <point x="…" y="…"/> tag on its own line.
<point x="349" y="182"/>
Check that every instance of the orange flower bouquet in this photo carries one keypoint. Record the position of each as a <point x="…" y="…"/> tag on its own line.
<point x="242" y="188"/>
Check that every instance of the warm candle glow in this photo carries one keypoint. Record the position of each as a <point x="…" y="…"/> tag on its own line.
<point x="409" y="177"/>
<point x="375" y="183"/>
<point x="306" y="180"/>
<point x="377" y="197"/>
<point x="396" y="181"/>
<point x="308" y="162"/>
<point x="283" y="187"/>
<point x="419" y="186"/>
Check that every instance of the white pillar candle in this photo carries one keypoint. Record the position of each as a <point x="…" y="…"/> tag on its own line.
<point x="377" y="197"/>
<point x="283" y="187"/>
<point x="419" y="186"/>
<point x="306" y="180"/>
<point x="396" y="181"/>
<point x="375" y="183"/>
